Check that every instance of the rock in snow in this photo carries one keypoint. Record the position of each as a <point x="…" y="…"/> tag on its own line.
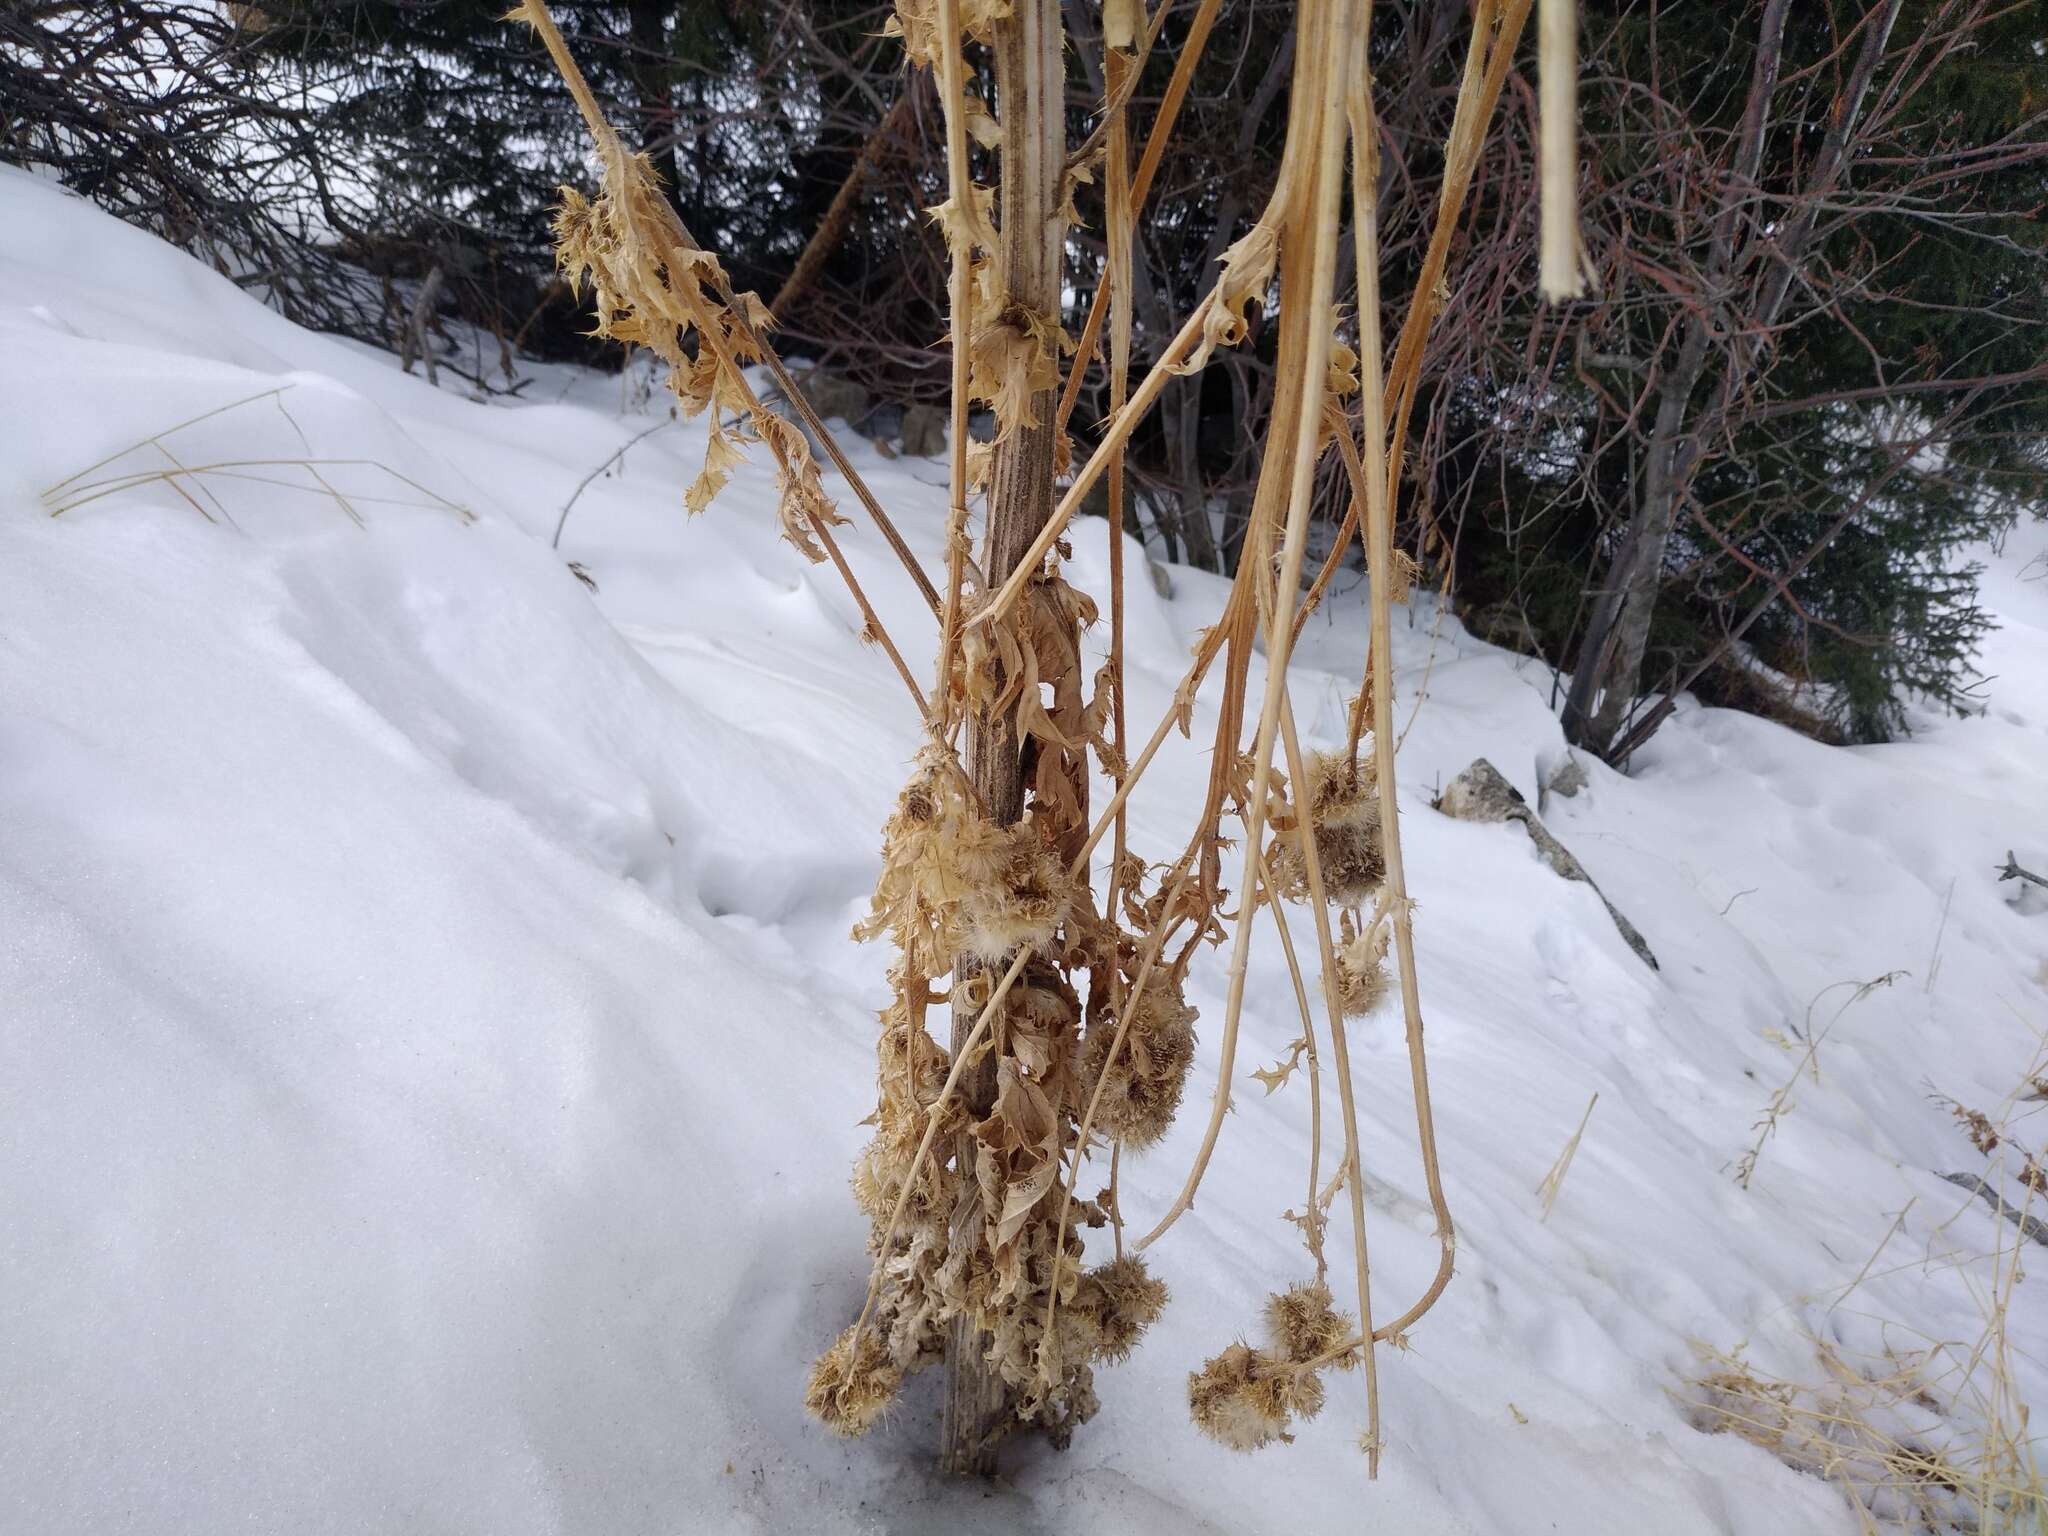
<point x="1481" y="794"/>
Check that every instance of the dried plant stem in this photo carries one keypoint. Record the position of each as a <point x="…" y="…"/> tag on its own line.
<point x="1141" y="183"/>
<point x="535" y="14"/>
<point x="1380" y="565"/>
<point x="1553" y="1181"/>
<point x="86" y="492"/>
<point x="1028" y="85"/>
<point x="1311" y="1220"/>
<point x="1119" y="69"/>
<point x="1317" y="134"/>
<point x="952" y="90"/>
<point x="1557" y="39"/>
<point x="1809" y="1059"/>
<point x="1340" y="1058"/>
<point x="1116" y="98"/>
<point x="1116" y="1215"/>
<point x="874" y="628"/>
<point x="1115" y="434"/>
<point x="1345" y="59"/>
<point x="50" y="493"/>
<point x="833" y="451"/>
<point x="1354" y="471"/>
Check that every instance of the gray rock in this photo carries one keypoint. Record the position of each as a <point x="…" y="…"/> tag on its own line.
<point x="1505" y="625"/>
<point x="1569" y="779"/>
<point x="924" y="431"/>
<point x="1162" y="579"/>
<point x="884" y="421"/>
<point x="1482" y="793"/>
<point x="2030" y="1226"/>
<point x="831" y="395"/>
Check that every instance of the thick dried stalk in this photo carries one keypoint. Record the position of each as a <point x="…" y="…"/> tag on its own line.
<point x="952" y="89"/>
<point x="1028" y="84"/>
<point x="1119" y="69"/>
<point x="1114" y="436"/>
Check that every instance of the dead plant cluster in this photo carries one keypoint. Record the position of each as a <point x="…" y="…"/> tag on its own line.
<point x="1064" y="962"/>
<point x="1920" y="1432"/>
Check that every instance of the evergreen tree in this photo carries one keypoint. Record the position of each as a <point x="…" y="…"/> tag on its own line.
<point x="1867" y="395"/>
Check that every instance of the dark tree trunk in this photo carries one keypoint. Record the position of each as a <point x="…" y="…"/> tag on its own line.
<point x="1610" y="659"/>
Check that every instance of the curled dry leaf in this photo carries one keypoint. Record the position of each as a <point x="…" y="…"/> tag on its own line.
<point x="1247" y="273"/>
<point x="654" y="288"/>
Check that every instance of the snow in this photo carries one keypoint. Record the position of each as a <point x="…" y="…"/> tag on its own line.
<point x="433" y="1051"/>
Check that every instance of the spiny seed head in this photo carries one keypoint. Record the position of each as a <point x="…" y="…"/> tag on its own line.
<point x="1362" y="971"/>
<point x="852" y="1384"/>
<point x="1142" y="1086"/>
<point x="1125" y="1300"/>
<point x="1077" y="1329"/>
<point x="1017" y="901"/>
<point x="1305" y="1325"/>
<point x="1237" y="1400"/>
<point x="955" y="883"/>
<point x="1340" y="798"/>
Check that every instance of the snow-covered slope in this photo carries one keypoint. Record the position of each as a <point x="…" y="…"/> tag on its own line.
<point x="431" y="1051"/>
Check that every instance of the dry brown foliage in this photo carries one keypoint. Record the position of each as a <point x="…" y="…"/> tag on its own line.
<point x="1077" y="997"/>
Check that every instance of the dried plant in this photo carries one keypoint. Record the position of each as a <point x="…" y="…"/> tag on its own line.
<point x="193" y="481"/>
<point x="1920" y="1433"/>
<point x="1071" y="1034"/>
<point x="1781" y="1102"/>
<point x="1553" y="1181"/>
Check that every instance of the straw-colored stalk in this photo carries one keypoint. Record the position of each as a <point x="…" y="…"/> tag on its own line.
<point x="1561" y="273"/>
<point x="1553" y="1181"/>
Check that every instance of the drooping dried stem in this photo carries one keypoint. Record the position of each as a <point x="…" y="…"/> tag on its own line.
<point x="1312" y="1226"/>
<point x="660" y="271"/>
<point x="1141" y="183"/>
<point x="1340" y="1060"/>
<point x="1314" y="153"/>
<point x="1380" y="683"/>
